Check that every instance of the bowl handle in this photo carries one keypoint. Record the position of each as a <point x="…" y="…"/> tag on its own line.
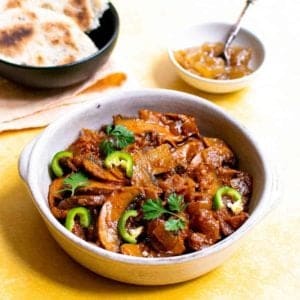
<point x="24" y="159"/>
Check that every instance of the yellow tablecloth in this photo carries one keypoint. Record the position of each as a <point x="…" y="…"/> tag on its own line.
<point x="267" y="265"/>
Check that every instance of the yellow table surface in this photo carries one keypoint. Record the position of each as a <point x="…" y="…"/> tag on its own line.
<point x="267" y="265"/>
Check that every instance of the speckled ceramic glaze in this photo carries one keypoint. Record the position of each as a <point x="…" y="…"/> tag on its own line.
<point x="212" y="121"/>
<point x="216" y="32"/>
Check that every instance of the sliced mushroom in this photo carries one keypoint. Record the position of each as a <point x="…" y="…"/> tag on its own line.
<point x="82" y="200"/>
<point x="179" y="124"/>
<point x="217" y="153"/>
<point x="54" y="195"/>
<point x="138" y="126"/>
<point x="110" y="214"/>
<point x="97" y="188"/>
<point x="99" y="172"/>
<point x="184" y="154"/>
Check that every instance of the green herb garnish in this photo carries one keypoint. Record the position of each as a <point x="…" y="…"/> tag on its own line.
<point x="123" y="137"/>
<point x="107" y="147"/>
<point x="153" y="209"/>
<point x="74" y="181"/>
<point x="118" y="138"/>
<point x="176" y="202"/>
<point x="174" y="224"/>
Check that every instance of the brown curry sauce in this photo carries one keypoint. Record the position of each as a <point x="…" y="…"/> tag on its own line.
<point x="170" y="156"/>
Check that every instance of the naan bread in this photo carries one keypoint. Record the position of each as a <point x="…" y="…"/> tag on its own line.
<point x="85" y="13"/>
<point x="99" y="7"/>
<point x="41" y="37"/>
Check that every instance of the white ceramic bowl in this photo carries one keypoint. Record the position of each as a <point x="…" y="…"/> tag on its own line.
<point x="216" y="32"/>
<point x="212" y="121"/>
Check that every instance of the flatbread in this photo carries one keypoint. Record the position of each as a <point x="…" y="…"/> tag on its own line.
<point x="41" y="37"/>
<point x="99" y="7"/>
<point x="85" y="13"/>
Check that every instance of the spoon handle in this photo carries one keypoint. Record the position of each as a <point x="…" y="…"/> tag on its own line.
<point x="236" y="27"/>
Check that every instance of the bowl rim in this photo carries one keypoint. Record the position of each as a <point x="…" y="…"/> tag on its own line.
<point x="82" y="60"/>
<point x="259" y="212"/>
<point x="216" y="81"/>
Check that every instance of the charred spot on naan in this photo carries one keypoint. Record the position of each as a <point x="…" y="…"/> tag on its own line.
<point x="78" y="10"/>
<point x="68" y="59"/>
<point x="59" y="34"/>
<point x="13" y="4"/>
<point x="39" y="59"/>
<point x="13" y="40"/>
<point x="47" y="6"/>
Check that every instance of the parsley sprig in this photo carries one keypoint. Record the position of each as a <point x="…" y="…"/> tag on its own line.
<point x="153" y="209"/>
<point x="174" y="224"/>
<point x="118" y="138"/>
<point x="74" y="181"/>
<point x="107" y="147"/>
<point x="176" y="202"/>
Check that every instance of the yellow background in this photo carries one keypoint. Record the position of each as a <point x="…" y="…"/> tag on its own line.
<point x="267" y="265"/>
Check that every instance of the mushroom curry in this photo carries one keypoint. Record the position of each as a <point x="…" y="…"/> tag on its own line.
<point x="150" y="186"/>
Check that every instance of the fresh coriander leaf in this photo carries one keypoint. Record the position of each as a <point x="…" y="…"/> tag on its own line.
<point x="118" y="138"/>
<point x="121" y="142"/>
<point x="74" y="181"/>
<point x="107" y="147"/>
<point x="176" y="202"/>
<point x="153" y="209"/>
<point x="174" y="224"/>
<point x="120" y="130"/>
<point x="122" y="136"/>
<point x="109" y="129"/>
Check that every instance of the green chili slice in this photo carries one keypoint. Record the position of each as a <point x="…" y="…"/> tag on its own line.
<point x="55" y="166"/>
<point x="83" y="214"/>
<point x="122" y="159"/>
<point x="236" y="207"/>
<point x="130" y="235"/>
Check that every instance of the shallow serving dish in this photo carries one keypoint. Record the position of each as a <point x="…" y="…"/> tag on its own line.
<point x="104" y="38"/>
<point x="213" y="32"/>
<point x="212" y="121"/>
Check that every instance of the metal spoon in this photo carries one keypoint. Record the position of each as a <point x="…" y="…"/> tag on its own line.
<point x="233" y="32"/>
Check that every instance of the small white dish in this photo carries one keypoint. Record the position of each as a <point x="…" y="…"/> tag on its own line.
<point x="197" y="35"/>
